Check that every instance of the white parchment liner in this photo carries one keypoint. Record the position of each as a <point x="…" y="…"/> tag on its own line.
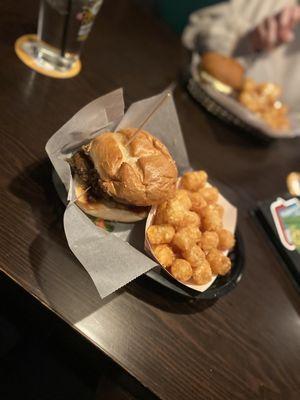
<point x="108" y="258"/>
<point x="229" y="223"/>
<point x="242" y="112"/>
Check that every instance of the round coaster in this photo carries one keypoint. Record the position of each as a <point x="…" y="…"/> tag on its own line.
<point x="30" y="61"/>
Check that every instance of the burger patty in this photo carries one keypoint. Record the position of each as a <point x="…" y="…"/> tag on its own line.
<point x="83" y="167"/>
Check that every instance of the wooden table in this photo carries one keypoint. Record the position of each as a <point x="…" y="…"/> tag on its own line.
<point x="244" y="346"/>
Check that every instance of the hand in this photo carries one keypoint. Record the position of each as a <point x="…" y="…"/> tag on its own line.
<point x="277" y="29"/>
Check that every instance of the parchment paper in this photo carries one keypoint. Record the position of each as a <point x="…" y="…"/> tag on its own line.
<point x="242" y="112"/>
<point x="109" y="260"/>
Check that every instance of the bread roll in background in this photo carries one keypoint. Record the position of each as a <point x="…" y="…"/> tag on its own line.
<point x="142" y="173"/>
<point x="224" y="69"/>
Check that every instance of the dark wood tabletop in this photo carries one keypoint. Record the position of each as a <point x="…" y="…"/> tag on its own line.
<point x="245" y="345"/>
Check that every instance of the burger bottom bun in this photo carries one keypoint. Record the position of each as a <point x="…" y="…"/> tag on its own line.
<point x="218" y="85"/>
<point x="107" y="209"/>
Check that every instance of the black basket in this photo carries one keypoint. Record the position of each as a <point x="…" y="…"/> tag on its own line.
<point x="221" y="286"/>
<point x="214" y="108"/>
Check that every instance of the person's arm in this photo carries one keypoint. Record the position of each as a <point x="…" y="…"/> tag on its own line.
<point x="240" y="25"/>
<point x="276" y="29"/>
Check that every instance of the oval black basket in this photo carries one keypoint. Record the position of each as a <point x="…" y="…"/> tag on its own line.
<point x="221" y="286"/>
<point x="214" y="108"/>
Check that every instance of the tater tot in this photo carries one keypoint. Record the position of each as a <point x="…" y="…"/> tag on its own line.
<point x="174" y="213"/>
<point x="212" y="207"/>
<point x="198" y="202"/>
<point x="159" y="234"/>
<point x="219" y="264"/>
<point x="159" y="215"/>
<point x="193" y="181"/>
<point x="219" y="208"/>
<point x="190" y="218"/>
<point x="202" y="274"/>
<point x="182" y="196"/>
<point x="193" y="232"/>
<point x="211" y="220"/>
<point x="226" y="240"/>
<point x="209" y="240"/>
<point x="210" y="194"/>
<point x="164" y="255"/>
<point x="181" y="270"/>
<point x="194" y="255"/>
<point x="186" y="237"/>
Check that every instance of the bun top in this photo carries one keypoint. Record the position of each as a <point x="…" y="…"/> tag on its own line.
<point x="142" y="173"/>
<point x="225" y="69"/>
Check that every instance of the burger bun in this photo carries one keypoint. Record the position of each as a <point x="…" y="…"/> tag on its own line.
<point x="224" y="73"/>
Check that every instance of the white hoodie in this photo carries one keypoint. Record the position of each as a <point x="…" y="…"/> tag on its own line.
<point x="221" y="27"/>
<point x="224" y="27"/>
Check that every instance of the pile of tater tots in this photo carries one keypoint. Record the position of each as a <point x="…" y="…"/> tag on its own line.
<point x="187" y="235"/>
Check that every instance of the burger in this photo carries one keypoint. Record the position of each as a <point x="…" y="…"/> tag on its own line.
<point x="119" y="175"/>
<point x="224" y="73"/>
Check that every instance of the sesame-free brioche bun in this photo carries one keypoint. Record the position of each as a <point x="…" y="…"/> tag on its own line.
<point x="142" y="173"/>
<point x="225" y="70"/>
<point x="106" y="209"/>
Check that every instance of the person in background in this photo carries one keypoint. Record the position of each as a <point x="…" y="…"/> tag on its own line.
<point x="238" y="27"/>
<point x="264" y="35"/>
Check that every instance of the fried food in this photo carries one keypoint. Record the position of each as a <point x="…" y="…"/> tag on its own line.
<point x="194" y="181"/>
<point x="194" y="255"/>
<point x="219" y="263"/>
<point x="202" y="274"/>
<point x="160" y="213"/>
<point x="193" y="232"/>
<point x="210" y="194"/>
<point x="186" y="237"/>
<point x="212" y="207"/>
<point x="263" y="100"/>
<point x="181" y="270"/>
<point x="211" y="220"/>
<point x="198" y="202"/>
<point x="159" y="234"/>
<point x="191" y="218"/>
<point x="226" y="240"/>
<point x="183" y="196"/>
<point x="174" y="213"/>
<point x="164" y="255"/>
<point x="219" y="208"/>
<point x="209" y="240"/>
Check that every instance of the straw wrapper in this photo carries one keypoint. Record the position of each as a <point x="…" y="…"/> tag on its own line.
<point x="241" y="112"/>
<point x="109" y="258"/>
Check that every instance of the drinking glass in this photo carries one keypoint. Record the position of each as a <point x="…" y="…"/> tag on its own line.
<point x="63" y="27"/>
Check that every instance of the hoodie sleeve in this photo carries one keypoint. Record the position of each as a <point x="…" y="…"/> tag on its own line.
<point x="221" y="27"/>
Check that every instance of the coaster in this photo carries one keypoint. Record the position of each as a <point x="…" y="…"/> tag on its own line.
<point x="29" y="60"/>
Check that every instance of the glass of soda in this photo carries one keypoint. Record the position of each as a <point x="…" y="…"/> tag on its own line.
<point x="63" y="27"/>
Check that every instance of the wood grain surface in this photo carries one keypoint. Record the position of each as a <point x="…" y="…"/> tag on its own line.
<point x="244" y="346"/>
